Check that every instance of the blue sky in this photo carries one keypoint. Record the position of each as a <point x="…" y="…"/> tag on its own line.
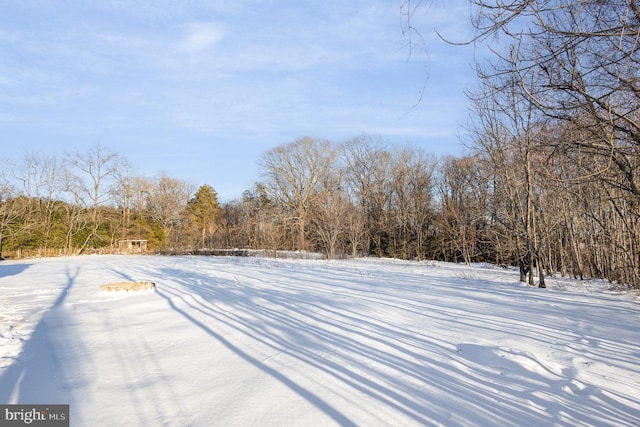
<point x="200" y="89"/>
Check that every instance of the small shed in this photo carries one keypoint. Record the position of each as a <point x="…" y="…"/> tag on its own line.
<point x="132" y="246"/>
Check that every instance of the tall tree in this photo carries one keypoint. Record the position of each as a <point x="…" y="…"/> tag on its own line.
<point x="129" y="196"/>
<point x="578" y="62"/>
<point x="90" y="177"/>
<point x="463" y="192"/>
<point x="12" y="209"/>
<point x="93" y="174"/>
<point x="368" y="161"/>
<point x="167" y="203"/>
<point x="411" y="184"/>
<point x="204" y="209"/>
<point x="40" y="177"/>
<point x="293" y="176"/>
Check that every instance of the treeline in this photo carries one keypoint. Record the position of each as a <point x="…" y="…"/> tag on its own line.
<point x="515" y="200"/>
<point x="86" y="202"/>
<point x="504" y="204"/>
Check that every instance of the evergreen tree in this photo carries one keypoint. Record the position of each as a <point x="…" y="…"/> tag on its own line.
<point x="204" y="209"/>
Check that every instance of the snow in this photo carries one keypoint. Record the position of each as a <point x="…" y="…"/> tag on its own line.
<point x="269" y="342"/>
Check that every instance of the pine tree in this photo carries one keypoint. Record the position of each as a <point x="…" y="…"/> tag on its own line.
<point x="204" y="210"/>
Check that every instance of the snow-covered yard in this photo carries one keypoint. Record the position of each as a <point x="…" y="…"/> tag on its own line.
<point x="257" y="342"/>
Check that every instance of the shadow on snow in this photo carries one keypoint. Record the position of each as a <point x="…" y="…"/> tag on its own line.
<point x="36" y="374"/>
<point x="353" y="331"/>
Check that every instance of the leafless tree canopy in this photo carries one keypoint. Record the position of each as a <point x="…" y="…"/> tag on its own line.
<point x="561" y="99"/>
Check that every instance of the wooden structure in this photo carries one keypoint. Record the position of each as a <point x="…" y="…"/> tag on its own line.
<point x="132" y="246"/>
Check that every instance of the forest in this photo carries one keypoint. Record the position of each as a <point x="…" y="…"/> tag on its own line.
<point x="356" y="198"/>
<point x="549" y="183"/>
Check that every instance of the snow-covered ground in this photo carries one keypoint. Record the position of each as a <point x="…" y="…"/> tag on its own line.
<point x="259" y="342"/>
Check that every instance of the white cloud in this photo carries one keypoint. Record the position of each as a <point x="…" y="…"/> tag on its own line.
<point x="198" y="37"/>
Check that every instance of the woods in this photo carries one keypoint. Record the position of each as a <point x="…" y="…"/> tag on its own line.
<point x="563" y="96"/>
<point x="504" y="203"/>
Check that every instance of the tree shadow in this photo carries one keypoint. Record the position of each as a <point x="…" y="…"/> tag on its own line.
<point x="12" y="269"/>
<point x="352" y="332"/>
<point x="361" y="347"/>
<point x="38" y="373"/>
<point x="370" y="357"/>
<point x="312" y="398"/>
<point x="175" y="297"/>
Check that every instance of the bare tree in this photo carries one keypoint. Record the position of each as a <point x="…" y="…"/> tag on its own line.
<point x="293" y="176"/>
<point x="167" y="203"/>
<point x="328" y="220"/>
<point x="40" y="177"/>
<point x="366" y="176"/>
<point x="507" y="128"/>
<point x="38" y="174"/>
<point x="90" y="178"/>
<point x="12" y="208"/>
<point x="356" y="232"/>
<point x="129" y="195"/>
<point x="93" y="175"/>
<point x="576" y="63"/>
<point x="411" y="204"/>
<point x="462" y="195"/>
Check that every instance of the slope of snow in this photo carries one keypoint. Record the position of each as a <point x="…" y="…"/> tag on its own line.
<point x="260" y="342"/>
